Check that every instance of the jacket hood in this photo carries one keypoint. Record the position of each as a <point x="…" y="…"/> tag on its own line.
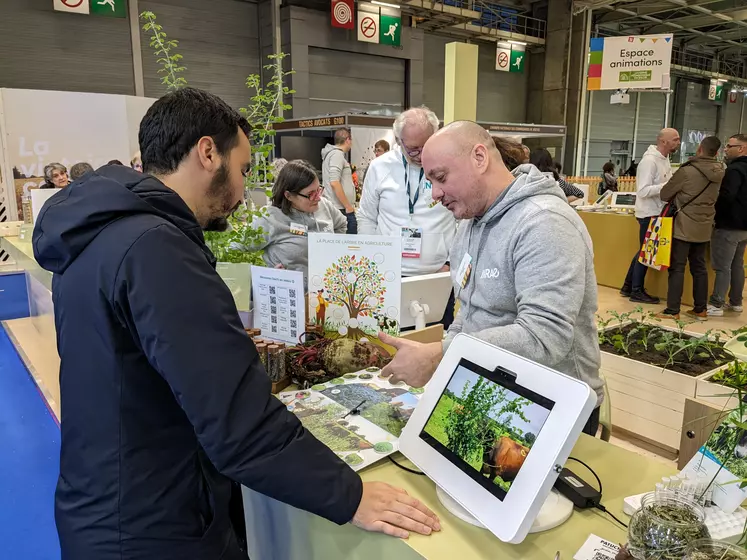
<point x="653" y="151"/>
<point x="529" y="182"/>
<point x="327" y="149"/>
<point x="72" y="218"/>
<point x="710" y="167"/>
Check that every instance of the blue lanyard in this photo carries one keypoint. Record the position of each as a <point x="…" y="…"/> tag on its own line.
<point x="412" y="201"/>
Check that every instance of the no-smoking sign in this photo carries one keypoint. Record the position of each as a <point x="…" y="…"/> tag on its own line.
<point x="368" y="27"/>
<point x="75" y="6"/>
<point x="502" y="59"/>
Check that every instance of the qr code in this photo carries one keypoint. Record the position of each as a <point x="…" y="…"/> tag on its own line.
<point x="273" y="309"/>
<point x="273" y="300"/>
<point x="293" y="303"/>
<point x="274" y="328"/>
<point x="293" y="313"/>
<point x="602" y="556"/>
<point x="273" y="319"/>
<point x="294" y="324"/>
<point x="292" y="293"/>
<point x="272" y="290"/>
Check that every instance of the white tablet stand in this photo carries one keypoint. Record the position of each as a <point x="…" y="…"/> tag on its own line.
<point x="555" y="511"/>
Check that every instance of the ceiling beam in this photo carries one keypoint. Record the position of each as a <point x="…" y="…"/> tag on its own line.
<point x="736" y="34"/>
<point x="701" y="20"/>
<point x="642" y="8"/>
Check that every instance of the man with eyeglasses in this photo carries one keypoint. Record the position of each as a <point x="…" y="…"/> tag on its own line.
<point x="337" y="176"/>
<point x="397" y="199"/>
<point x="729" y="237"/>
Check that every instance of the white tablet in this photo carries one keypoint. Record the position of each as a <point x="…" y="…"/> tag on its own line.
<point x="624" y="200"/>
<point x="493" y="430"/>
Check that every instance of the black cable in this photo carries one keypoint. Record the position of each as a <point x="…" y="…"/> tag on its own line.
<point x="590" y="470"/>
<point x="404" y="468"/>
<point x="600" y="507"/>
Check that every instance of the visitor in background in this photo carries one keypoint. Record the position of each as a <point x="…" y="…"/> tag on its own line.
<point x="608" y="177"/>
<point x="542" y="160"/>
<point x="380" y="148"/>
<point x="297" y="208"/>
<point x="559" y="169"/>
<point x="337" y="177"/>
<point x="79" y="169"/>
<point x="137" y="162"/>
<point x="653" y="173"/>
<point x="518" y="294"/>
<point x="730" y="235"/>
<point x="693" y="189"/>
<point x="55" y="176"/>
<point x="166" y="400"/>
<point x="397" y="197"/>
<point x="512" y="153"/>
<point x="526" y="154"/>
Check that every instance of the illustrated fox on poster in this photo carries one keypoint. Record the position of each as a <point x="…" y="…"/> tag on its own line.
<point x="353" y="294"/>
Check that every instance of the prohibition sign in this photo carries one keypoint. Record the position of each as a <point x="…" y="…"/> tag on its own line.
<point x="72" y="3"/>
<point x="502" y="59"/>
<point x="368" y="27"/>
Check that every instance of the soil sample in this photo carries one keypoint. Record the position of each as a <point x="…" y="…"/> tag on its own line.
<point x="262" y="351"/>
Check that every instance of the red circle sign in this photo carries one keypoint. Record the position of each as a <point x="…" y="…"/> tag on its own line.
<point x="502" y="60"/>
<point x="72" y="3"/>
<point x="368" y="27"/>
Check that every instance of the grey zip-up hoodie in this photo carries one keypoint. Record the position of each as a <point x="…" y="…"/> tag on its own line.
<point x="532" y="289"/>
<point x="335" y="167"/>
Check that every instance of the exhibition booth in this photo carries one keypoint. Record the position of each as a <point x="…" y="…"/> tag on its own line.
<point x="510" y="497"/>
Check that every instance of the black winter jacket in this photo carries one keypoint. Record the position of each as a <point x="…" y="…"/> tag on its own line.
<point x="731" y="206"/>
<point x="164" y="399"/>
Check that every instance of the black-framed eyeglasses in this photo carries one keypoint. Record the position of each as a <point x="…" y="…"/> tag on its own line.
<point x="313" y="194"/>
<point x="730" y="146"/>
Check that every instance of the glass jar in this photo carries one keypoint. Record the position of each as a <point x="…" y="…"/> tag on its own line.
<point x="262" y="351"/>
<point x="707" y="549"/>
<point x="664" y="526"/>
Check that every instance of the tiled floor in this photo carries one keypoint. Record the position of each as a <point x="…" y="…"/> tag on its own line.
<point x="610" y="300"/>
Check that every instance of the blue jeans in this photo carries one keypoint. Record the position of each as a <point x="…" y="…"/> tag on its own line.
<point x="636" y="276"/>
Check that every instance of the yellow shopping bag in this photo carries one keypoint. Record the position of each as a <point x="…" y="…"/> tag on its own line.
<point x="657" y="246"/>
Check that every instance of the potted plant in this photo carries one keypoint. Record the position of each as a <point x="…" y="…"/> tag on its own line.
<point x="651" y="369"/>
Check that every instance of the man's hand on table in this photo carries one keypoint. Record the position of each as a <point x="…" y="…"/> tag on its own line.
<point x="414" y="363"/>
<point x="389" y="510"/>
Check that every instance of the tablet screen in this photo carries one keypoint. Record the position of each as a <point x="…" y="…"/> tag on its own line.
<point x="485" y="423"/>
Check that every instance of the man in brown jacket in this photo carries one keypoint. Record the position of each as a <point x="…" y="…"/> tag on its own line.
<point x="694" y="189"/>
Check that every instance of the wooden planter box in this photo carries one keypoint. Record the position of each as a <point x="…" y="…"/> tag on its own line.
<point x="714" y="394"/>
<point x="647" y="400"/>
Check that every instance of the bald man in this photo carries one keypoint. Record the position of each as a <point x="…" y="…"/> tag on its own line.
<point x="530" y="286"/>
<point x="654" y="171"/>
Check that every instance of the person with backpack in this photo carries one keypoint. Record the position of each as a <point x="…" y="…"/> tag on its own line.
<point x="693" y="190"/>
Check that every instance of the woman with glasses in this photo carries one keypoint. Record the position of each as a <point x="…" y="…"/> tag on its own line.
<point x="297" y="208"/>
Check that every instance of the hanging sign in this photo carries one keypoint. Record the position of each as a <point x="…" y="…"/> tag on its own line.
<point x="342" y="14"/>
<point x="74" y="6"/>
<point x="716" y="91"/>
<point x="379" y="25"/>
<point x="509" y="57"/>
<point x="733" y="97"/>
<point x="633" y="62"/>
<point x="106" y="8"/>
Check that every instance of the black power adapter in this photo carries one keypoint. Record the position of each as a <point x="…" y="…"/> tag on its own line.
<point x="577" y="491"/>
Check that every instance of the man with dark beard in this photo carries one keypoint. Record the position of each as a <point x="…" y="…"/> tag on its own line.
<point x="164" y="399"/>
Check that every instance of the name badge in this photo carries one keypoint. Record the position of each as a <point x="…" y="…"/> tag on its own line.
<point x="299" y="229"/>
<point x="412" y="241"/>
<point x="464" y="271"/>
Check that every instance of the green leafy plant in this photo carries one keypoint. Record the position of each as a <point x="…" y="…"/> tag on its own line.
<point x="164" y="50"/>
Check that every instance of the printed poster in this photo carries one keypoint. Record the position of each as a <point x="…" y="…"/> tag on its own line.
<point x="279" y="303"/>
<point x="355" y="284"/>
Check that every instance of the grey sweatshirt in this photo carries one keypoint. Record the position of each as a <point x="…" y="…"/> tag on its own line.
<point x="532" y="290"/>
<point x="291" y="249"/>
<point x="335" y="167"/>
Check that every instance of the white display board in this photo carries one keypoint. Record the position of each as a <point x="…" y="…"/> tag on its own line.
<point x="635" y="61"/>
<point x="355" y="284"/>
<point x="38" y="198"/>
<point x="41" y="127"/>
<point x="279" y="303"/>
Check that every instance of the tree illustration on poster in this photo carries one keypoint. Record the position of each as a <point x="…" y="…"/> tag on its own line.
<point x="354" y="282"/>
